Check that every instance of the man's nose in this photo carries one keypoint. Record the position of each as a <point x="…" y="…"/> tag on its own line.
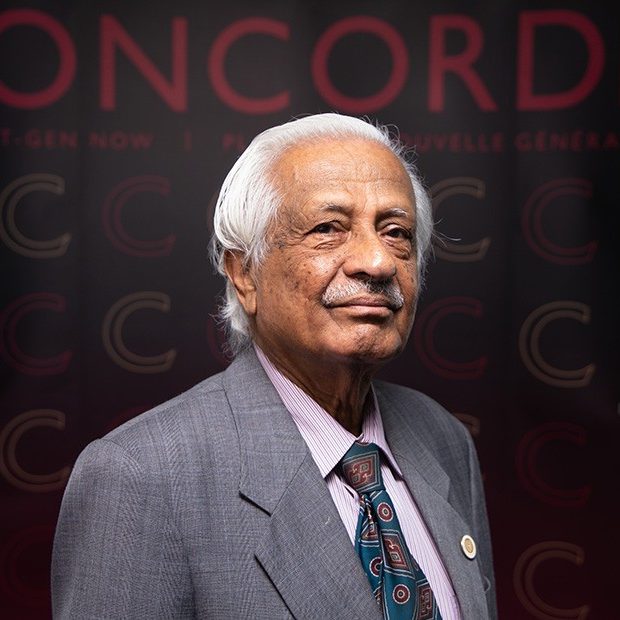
<point x="369" y="256"/>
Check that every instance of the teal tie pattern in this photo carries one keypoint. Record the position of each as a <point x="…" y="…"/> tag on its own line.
<point x="396" y="579"/>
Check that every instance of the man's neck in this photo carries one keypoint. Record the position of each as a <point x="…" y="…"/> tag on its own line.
<point x="341" y="389"/>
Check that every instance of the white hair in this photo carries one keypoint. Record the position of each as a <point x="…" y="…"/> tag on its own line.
<point x="248" y="201"/>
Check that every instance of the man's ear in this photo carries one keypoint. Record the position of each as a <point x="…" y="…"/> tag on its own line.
<point x="241" y="277"/>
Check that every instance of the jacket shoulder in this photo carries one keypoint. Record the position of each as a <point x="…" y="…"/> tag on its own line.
<point x="192" y="418"/>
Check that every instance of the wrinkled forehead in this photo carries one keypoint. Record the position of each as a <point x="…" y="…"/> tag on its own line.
<point x="327" y="161"/>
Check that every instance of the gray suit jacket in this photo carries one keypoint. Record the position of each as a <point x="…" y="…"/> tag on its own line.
<point x="211" y="506"/>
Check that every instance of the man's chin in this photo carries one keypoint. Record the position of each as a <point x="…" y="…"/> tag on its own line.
<point x="371" y="353"/>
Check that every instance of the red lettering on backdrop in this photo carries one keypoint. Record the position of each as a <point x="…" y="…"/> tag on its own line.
<point x="67" y="59"/>
<point x="217" y="59"/>
<point x="398" y="76"/>
<point x="9" y="347"/>
<point x="532" y="222"/>
<point x="424" y="338"/>
<point x="113" y="36"/>
<point x="459" y="64"/>
<point x="112" y="221"/>
<point x="528" y="22"/>
<point x="528" y="470"/>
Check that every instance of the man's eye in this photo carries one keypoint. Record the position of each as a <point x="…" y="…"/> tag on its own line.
<point x="400" y="233"/>
<point x="324" y="228"/>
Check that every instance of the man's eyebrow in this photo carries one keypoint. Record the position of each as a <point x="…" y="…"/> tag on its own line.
<point x="396" y="212"/>
<point x="345" y="210"/>
<point x="335" y="208"/>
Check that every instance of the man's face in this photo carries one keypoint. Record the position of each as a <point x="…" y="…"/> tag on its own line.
<point x="339" y="282"/>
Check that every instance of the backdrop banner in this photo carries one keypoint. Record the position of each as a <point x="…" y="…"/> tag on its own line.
<point x="119" y="121"/>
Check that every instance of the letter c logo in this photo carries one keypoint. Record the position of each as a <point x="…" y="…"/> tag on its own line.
<point x="529" y="344"/>
<point x="532" y="222"/>
<point x="10" y="233"/>
<point x="9" y="438"/>
<point x="112" y="333"/>
<point x="112" y="210"/>
<point x="425" y="327"/>
<point x="527" y="454"/>
<point x="459" y="252"/>
<point x="10" y="349"/>
<point x="524" y="573"/>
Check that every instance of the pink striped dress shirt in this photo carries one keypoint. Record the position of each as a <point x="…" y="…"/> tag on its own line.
<point x="328" y="442"/>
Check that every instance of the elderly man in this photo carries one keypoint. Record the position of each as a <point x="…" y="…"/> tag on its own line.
<point x="291" y="485"/>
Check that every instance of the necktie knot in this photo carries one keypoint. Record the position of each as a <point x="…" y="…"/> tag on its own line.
<point x="361" y="468"/>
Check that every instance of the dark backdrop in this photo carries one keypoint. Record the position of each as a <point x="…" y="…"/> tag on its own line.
<point x="118" y="123"/>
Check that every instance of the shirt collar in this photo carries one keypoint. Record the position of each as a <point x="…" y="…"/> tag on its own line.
<point x="326" y="439"/>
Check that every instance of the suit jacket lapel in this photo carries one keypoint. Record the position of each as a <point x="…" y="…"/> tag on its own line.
<point x="430" y="487"/>
<point x="305" y="549"/>
<point x="309" y="556"/>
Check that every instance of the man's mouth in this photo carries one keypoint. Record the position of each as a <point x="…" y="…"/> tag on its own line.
<point x="365" y="302"/>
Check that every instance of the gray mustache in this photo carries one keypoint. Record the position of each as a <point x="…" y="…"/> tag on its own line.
<point x="388" y="290"/>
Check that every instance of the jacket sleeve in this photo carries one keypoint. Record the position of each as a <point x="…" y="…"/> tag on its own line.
<point x="116" y="553"/>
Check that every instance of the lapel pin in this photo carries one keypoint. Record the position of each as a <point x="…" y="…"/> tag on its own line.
<point x="468" y="546"/>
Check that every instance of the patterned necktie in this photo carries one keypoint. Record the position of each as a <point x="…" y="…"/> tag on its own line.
<point x="397" y="581"/>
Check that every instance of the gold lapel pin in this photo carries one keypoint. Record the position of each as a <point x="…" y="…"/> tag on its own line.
<point x="468" y="546"/>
